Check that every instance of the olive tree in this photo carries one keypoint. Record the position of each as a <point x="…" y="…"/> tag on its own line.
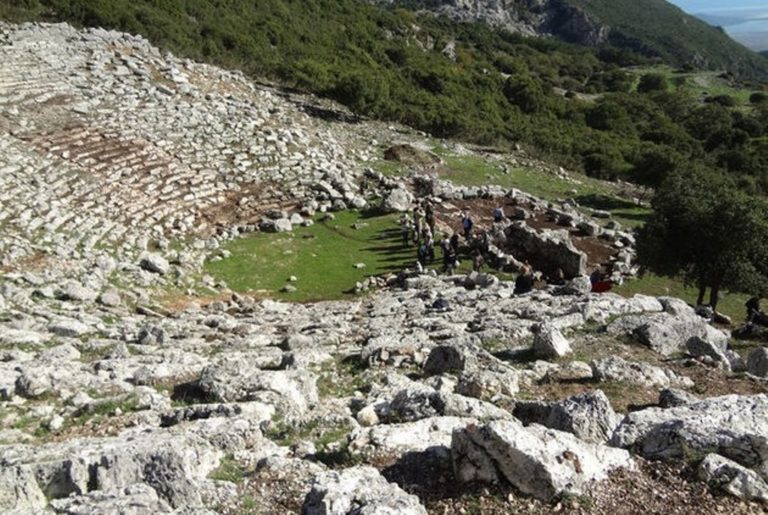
<point x="708" y="231"/>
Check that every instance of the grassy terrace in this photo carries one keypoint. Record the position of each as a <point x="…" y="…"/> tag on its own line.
<point x="731" y="304"/>
<point x="477" y="170"/>
<point x="322" y="258"/>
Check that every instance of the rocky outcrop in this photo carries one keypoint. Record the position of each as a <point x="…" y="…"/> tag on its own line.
<point x="358" y="490"/>
<point x="589" y="415"/>
<point x="733" y="426"/>
<point x="550" y="250"/>
<point x="722" y="474"/>
<point x="614" y="368"/>
<point x="539" y="461"/>
<point x="175" y="466"/>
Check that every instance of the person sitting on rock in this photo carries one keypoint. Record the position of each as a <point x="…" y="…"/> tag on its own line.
<point x="558" y="278"/>
<point x="498" y="214"/>
<point x="525" y="280"/>
<point x="754" y="314"/>
<point x="599" y="284"/>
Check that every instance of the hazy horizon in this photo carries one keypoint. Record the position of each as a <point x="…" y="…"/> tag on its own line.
<point x="746" y="21"/>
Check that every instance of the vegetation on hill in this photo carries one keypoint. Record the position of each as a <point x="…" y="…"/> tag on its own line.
<point x="491" y="88"/>
<point x="710" y="232"/>
<point x="658" y="28"/>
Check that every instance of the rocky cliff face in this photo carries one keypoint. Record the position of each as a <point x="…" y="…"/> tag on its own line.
<point x="122" y="168"/>
<point x="526" y="17"/>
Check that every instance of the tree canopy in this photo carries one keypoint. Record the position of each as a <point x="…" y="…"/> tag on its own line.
<point x="709" y="231"/>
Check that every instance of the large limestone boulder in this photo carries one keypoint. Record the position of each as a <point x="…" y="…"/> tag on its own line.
<point x="433" y="434"/>
<point x="614" y="368"/>
<point x="666" y="333"/>
<point x="154" y="263"/>
<point x="549" y="343"/>
<point x="757" y="363"/>
<point x="539" y="461"/>
<point x="730" y="477"/>
<point x="587" y="415"/>
<point x="549" y="249"/>
<point x="399" y="200"/>
<point x="234" y="379"/>
<point x="708" y="352"/>
<point x="174" y="465"/>
<point x="358" y="490"/>
<point x="734" y="426"/>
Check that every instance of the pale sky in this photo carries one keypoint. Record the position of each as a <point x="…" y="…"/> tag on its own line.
<point x="697" y="6"/>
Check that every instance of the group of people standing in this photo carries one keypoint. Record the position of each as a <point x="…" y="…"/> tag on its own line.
<point x="419" y="230"/>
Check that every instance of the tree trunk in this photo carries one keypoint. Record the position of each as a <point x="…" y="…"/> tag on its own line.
<point x="714" y="296"/>
<point x="702" y="291"/>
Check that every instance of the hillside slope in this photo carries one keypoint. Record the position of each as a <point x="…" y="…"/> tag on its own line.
<point x="653" y="28"/>
<point x="656" y="27"/>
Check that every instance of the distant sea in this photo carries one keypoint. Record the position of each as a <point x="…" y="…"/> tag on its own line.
<point x="753" y="33"/>
<point x="747" y="25"/>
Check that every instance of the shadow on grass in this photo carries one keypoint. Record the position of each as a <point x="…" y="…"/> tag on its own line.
<point x="604" y="202"/>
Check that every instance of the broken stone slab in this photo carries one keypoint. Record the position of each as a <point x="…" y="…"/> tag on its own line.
<point x="386" y="440"/>
<point x="74" y="291"/>
<point x="757" y="363"/>
<point x="734" y="426"/>
<point x="486" y="384"/>
<point x="672" y="398"/>
<point x="361" y="490"/>
<point x="395" y="350"/>
<point x="549" y="342"/>
<point x="69" y="328"/>
<point x="614" y="368"/>
<point x="539" y="461"/>
<point x="234" y="379"/>
<point x="110" y="298"/>
<point x="21" y="337"/>
<point x="151" y="335"/>
<point x="722" y="474"/>
<point x="418" y="402"/>
<point x="130" y="500"/>
<point x="707" y="351"/>
<point x="399" y="200"/>
<point x="175" y="465"/>
<point x="154" y="263"/>
<point x="588" y="415"/>
<point x="445" y="359"/>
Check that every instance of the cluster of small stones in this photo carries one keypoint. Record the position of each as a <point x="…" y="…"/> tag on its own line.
<point x="109" y="404"/>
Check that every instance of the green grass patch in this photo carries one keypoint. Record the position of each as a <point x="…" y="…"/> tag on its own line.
<point x="476" y="170"/>
<point x="229" y="470"/>
<point x="731" y="304"/>
<point x="321" y="257"/>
